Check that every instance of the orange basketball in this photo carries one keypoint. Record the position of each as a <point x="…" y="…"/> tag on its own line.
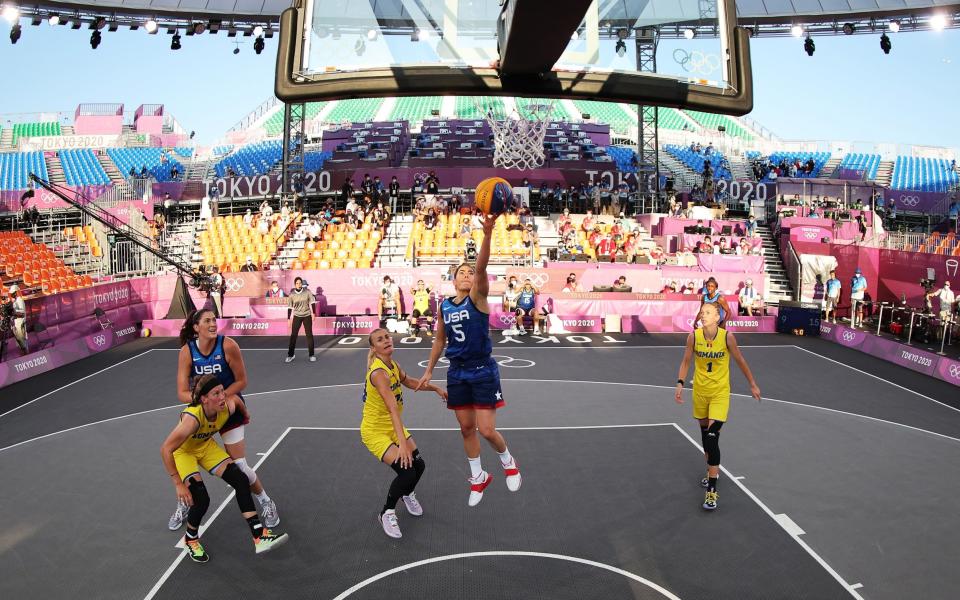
<point x="493" y="196"/>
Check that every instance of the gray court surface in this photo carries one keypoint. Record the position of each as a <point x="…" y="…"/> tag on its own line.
<point x="844" y="482"/>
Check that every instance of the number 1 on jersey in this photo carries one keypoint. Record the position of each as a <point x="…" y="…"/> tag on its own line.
<point x="709" y="367"/>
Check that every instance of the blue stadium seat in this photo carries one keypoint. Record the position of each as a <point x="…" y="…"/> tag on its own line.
<point x="253" y="159"/>
<point x="81" y="167"/>
<point x="15" y="168"/>
<point x="151" y="158"/>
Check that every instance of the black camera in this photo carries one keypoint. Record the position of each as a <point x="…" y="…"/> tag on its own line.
<point x="201" y="280"/>
<point x="6" y="315"/>
<point x="928" y="284"/>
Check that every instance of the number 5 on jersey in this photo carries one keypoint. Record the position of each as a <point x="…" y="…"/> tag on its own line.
<point x="458" y="334"/>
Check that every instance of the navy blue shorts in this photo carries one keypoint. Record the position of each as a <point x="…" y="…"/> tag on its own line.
<point x="474" y="384"/>
<point x="235" y="420"/>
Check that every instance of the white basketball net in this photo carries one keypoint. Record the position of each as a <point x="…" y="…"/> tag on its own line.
<point x="518" y="134"/>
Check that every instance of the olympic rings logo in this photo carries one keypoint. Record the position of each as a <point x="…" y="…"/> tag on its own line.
<point x="537" y="279"/>
<point x="849" y="336"/>
<point x="47" y="198"/>
<point x="955" y="371"/>
<point x="696" y="62"/>
<point x="100" y="340"/>
<point x="810" y="235"/>
<point x="504" y="361"/>
<point x="508" y="319"/>
<point x="234" y="284"/>
<point x="910" y="200"/>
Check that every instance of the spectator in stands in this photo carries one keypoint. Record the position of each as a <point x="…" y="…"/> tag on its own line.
<point x="417" y="187"/>
<point x="389" y="304"/>
<point x="691" y="288"/>
<point x="705" y="246"/>
<point x="265" y="209"/>
<point x="314" y="230"/>
<point x="862" y="226"/>
<point x="19" y="319"/>
<point x="248" y="218"/>
<point x="144" y="173"/>
<point x="433" y="183"/>
<point x="159" y="223"/>
<point x="858" y="287"/>
<point x="670" y="288"/>
<point x="379" y="216"/>
<point x="529" y="237"/>
<point x="366" y="186"/>
<point x="275" y="291"/>
<point x="394" y="190"/>
<point x="588" y="223"/>
<point x="231" y="172"/>
<point x="832" y="298"/>
<point x="263" y="225"/>
<point x="573" y="284"/>
<point x="351" y="206"/>
<point x="133" y="172"/>
<point x="249" y="267"/>
<point x="606" y="248"/>
<point x="430" y="219"/>
<point x="346" y="189"/>
<point x="657" y="255"/>
<point x="947" y="299"/>
<point x="620" y="285"/>
<point x="751" y="224"/>
<point x="721" y="246"/>
<point x="749" y="300"/>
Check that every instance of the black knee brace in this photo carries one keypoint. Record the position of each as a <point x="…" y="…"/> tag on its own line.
<point x="201" y="502"/>
<point x="711" y="443"/>
<point x="703" y="436"/>
<point x="239" y="482"/>
<point x="418" y="465"/>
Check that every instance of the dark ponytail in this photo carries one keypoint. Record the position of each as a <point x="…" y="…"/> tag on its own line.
<point x="187" y="331"/>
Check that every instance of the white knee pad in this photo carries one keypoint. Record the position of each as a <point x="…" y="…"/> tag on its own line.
<point x="250" y="473"/>
<point x="234" y="436"/>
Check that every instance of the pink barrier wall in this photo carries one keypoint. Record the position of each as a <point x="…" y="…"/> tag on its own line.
<point x="10" y="199"/>
<point x="149" y="124"/>
<point x="98" y="124"/>
<point x="642" y="278"/>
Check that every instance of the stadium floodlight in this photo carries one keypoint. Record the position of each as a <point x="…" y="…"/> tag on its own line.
<point x="99" y="23"/>
<point x="199" y="28"/>
<point x="258" y="45"/>
<point x="621" y="48"/>
<point x="796" y="31"/>
<point x="113" y="26"/>
<point x="11" y="13"/>
<point x="95" y="39"/>
<point x="415" y="36"/>
<point x="809" y="47"/>
<point x="15" y="33"/>
<point x="938" y="22"/>
<point x="175" y="42"/>
<point x="232" y="31"/>
<point x="54" y="19"/>
<point x="885" y="44"/>
<point x="360" y="47"/>
<point x="76" y="23"/>
<point x="37" y="18"/>
<point x="236" y="50"/>
<point x="848" y="28"/>
<point x="372" y="34"/>
<point x="689" y="33"/>
<point x="151" y="26"/>
<point x="894" y="26"/>
<point x="214" y="26"/>
<point x="258" y="31"/>
<point x="575" y="35"/>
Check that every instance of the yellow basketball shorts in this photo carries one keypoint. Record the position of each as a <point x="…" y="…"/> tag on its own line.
<point x="209" y="457"/>
<point x="378" y="441"/>
<point x="711" y="405"/>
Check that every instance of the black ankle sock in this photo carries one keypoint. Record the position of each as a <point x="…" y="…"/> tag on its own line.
<point x="711" y="484"/>
<point x="192" y="534"/>
<point x="256" y="528"/>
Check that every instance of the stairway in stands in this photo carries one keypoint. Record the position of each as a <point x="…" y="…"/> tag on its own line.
<point x="740" y="167"/>
<point x="178" y="241"/>
<point x="830" y="167"/>
<point x="777" y="281"/>
<point x="54" y="168"/>
<point x="684" y="177"/>
<point x="110" y="168"/>
<point x="884" y="173"/>
<point x="393" y="247"/>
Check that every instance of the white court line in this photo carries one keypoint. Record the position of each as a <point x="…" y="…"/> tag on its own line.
<point x="906" y="389"/>
<point x="73" y="382"/>
<point x="769" y="512"/>
<point x="173" y="566"/>
<point x="540" y="346"/>
<point x="856" y="586"/>
<point x="663" y="591"/>
<point x="627" y="426"/>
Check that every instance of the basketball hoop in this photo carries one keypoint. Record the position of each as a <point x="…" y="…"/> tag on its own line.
<point x="517" y="134"/>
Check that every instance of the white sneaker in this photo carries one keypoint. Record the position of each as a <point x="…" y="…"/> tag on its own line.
<point x="536" y="331"/>
<point x="289" y="359"/>
<point x="178" y="517"/>
<point x="413" y="505"/>
<point x="313" y="359"/>
<point x="390" y="526"/>
<point x="512" y="473"/>
<point x="269" y="514"/>
<point x="477" y="485"/>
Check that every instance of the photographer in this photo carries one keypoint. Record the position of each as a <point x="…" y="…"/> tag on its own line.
<point x="947" y="298"/>
<point x="218" y="288"/>
<point x="19" y="316"/>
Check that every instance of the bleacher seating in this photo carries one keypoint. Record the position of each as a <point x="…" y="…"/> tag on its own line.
<point x="274" y="124"/>
<point x="81" y="167"/>
<point x="624" y="157"/>
<point x="137" y="158"/>
<point x="253" y="159"/>
<point x="222" y="150"/>
<point x="466" y="109"/>
<point x="819" y="160"/>
<point x="607" y="112"/>
<point x="415" y="108"/>
<point x="43" y="128"/>
<point x="15" y="168"/>
<point x="939" y="243"/>
<point x="923" y="174"/>
<point x="868" y="163"/>
<point x="557" y="112"/>
<point x="696" y="160"/>
<point x="35" y="266"/>
<point x="227" y="241"/>
<point x="184" y="151"/>
<point x="354" y="111"/>
<point x="670" y="118"/>
<point x="445" y="242"/>
<point x="711" y="122"/>
<point x="342" y="247"/>
<point x="313" y="161"/>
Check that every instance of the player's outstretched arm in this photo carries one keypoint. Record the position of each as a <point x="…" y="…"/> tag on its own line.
<point x="684" y="367"/>
<point x="435" y="351"/>
<point x="481" y="286"/>
<point x="742" y="363"/>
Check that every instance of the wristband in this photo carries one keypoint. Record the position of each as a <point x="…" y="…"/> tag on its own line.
<point x="679" y="382"/>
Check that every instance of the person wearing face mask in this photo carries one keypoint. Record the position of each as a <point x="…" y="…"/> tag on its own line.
<point x="300" y="306"/>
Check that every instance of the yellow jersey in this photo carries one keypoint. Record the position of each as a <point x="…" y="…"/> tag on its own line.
<point x="376" y="417"/>
<point x="711" y="364"/>
<point x="203" y="435"/>
<point x="421" y="299"/>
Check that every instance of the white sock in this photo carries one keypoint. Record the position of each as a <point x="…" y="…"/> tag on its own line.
<point x="262" y="497"/>
<point x="505" y="457"/>
<point x="475" y="469"/>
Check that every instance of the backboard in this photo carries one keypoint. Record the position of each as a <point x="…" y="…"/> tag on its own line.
<point x="335" y="49"/>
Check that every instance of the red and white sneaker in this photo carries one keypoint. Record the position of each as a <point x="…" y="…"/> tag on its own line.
<point x="477" y="485"/>
<point x="512" y="472"/>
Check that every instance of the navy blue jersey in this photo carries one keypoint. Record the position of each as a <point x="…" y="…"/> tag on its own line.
<point x="467" y="329"/>
<point x="527" y="299"/>
<point x="214" y="363"/>
<point x="715" y="299"/>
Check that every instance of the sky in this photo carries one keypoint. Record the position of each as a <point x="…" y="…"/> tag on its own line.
<point x="847" y="91"/>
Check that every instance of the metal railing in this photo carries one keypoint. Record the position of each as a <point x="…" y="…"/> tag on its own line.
<point x="912" y="242"/>
<point x="794" y="271"/>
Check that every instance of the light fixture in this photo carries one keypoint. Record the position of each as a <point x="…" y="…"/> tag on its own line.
<point x="885" y="44"/>
<point x="175" y="42"/>
<point x="54" y="19"/>
<point x="372" y="34"/>
<point x="848" y="28"/>
<point x="360" y="47"/>
<point x="689" y="33"/>
<point x="938" y="22"/>
<point x="99" y="23"/>
<point x="894" y="26"/>
<point x="151" y="26"/>
<point x="15" y="33"/>
<point x="621" y="48"/>
<point x="214" y="27"/>
<point x="95" y="39"/>
<point x="76" y="23"/>
<point x="258" y="45"/>
<point x="809" y="47"/>
<point x="113" y="26"/>
<point x="232" y="31"/>
<point x="796" y="31"/>
<point x="236" y="50"/>
<point x="415" y="36"/>
<point x="37" y="18"/>
<point x="258" y="31"/>
<point x="199" y="28"/>
<point x="11" y="13"/>
<point x="575" y="35"/>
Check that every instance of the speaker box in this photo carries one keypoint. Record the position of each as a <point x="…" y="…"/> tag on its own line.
<point x="799" y="315"/>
